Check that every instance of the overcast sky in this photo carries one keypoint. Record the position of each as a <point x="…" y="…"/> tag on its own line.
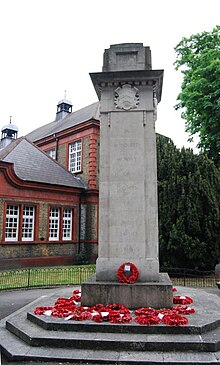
<point x="49" y="46"/>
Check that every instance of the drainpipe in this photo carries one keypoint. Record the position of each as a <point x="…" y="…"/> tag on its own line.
<point x="79" y="221"/>
<point x="56" y="156"/>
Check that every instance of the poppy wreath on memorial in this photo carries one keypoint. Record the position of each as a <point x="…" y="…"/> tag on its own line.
<point x="148" y="320"/>
<point x="183" y="309"/>
<point x="130" y="279"/>
<point x="174" y="320"/>
<point x="182" y="299"/>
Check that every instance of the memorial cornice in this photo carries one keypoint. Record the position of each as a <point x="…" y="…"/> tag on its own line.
<point x="153" y="78"/>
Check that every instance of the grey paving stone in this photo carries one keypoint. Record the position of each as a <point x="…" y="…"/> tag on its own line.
<point x="141" y="357"/>
<point x="189" y="358"/>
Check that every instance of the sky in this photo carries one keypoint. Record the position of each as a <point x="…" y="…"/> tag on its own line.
<point x="49" y="46"/>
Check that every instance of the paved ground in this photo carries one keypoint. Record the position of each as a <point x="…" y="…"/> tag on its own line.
<point x="12" y="300"/>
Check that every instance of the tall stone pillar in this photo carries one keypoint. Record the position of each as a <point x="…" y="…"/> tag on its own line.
<point x="128" y="90"/>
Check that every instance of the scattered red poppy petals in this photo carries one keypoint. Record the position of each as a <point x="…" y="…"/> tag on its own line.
<point x="130" y="279"/>
<point x="182" y="300"/>
<point x="174" y="320"/>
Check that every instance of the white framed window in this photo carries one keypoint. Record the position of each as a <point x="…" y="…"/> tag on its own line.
<point x="67" y="224"/>
<point x="51" y="153"/>
<point x="28" y="223"/>
<point x="54" y="224"/>
<point x="20" y="223"/>
<point x="75" y="156"/>
<point x="12" y="223"/>
<point x="60" y="224"/>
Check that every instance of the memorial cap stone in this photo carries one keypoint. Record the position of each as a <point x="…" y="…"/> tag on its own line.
<point x="127" y="56"/>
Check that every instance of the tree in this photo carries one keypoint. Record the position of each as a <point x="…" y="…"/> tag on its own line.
<point x="189" y="207"/>
<point x="198" y="57"/>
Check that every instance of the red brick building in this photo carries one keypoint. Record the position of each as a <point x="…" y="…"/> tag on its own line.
<point x="49" y="191"/>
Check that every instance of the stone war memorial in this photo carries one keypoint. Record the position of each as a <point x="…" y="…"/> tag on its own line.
<point x="129" y="91"/>
<point x="55" y="329"/>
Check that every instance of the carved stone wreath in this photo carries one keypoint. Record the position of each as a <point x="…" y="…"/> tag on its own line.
<point x="126" y="97"/>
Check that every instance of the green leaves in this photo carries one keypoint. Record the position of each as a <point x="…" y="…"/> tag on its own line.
<point x="189" y="207"/>
<point x="198" y="58"/>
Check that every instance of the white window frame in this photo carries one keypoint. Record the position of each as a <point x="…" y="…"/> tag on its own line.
<point x="54" y="224"/>
<point x="12" y="222"/>
<point x="28" y="220"/>
<point x="67" y="224"/>
<point x="75" y="156"/>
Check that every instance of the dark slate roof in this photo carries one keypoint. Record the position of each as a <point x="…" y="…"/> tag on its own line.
<point x="77" y="117"/>
<point x="32" y="164"/>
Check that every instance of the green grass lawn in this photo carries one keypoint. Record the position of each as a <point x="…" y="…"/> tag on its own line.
<point x="45" y="276"/>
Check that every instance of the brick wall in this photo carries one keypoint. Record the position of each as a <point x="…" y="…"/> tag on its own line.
<point x="89" y="222"/>
<point x="43" y="221"/>
<point x="85" y="159"/>
<point x="1" y="217"/>
<point x="42" y="254"/>
<point x="97" y="161"/>
<point x="62" y="153"/>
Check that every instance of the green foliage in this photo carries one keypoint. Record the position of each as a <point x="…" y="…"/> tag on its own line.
<point x="198" y="57"/>
<point x="189" y="207"/>
<point x="82" y="257"/>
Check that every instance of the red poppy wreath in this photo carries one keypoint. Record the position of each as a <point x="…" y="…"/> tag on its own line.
<point x="127" y="267"/>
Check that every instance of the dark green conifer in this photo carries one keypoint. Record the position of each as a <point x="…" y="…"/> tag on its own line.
<point x="189" y="207"/>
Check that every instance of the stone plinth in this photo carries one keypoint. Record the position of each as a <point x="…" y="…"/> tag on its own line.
<point x="150" y="294"/>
